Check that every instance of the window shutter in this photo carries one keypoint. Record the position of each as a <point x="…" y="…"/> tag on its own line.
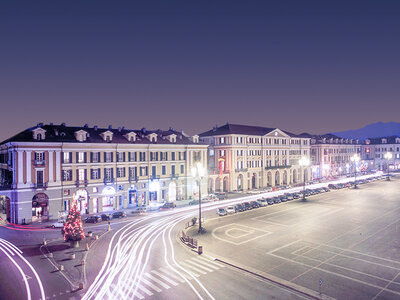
<point x="62" y="157"/>
<point x="85" y="157"/>
<point x="104" y="156"/>
<point x="77" y="174"/>
<point x="112" y="156"/>
<point x="77" y="157"/>
<point x="91" y="157"/>
<point x="123" y="159"/>
<point x="147" y="170"/>
<point x="70" y="157"/>
<point x="85" y="174"/>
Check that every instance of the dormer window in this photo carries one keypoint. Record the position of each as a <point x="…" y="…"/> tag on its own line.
<point x="397" y="140"/>
<point x="107" y="136"/>
<point x="172" y="138"/>
<point x="384" y="141"/>
<point x="195" y="139"/>
<point x="131" y="136"/>
<point x="39" y="134"/>
<point x="152" y="137"/>
<point x="81" y="135"/>
<point x="367" y="142"/>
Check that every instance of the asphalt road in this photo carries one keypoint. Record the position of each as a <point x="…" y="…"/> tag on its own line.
<point x="349" y="240"/>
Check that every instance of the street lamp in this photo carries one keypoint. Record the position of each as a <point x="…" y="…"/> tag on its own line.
<point x="388" y="156"/>
<point x="355" y="159"/>
<point x="304" y="162"/>
<point x="198" y="173"/>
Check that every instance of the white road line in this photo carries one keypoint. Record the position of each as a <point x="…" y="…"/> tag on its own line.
<point x="173" y="275"/>
<point x="193" y="268"/>
<point x="199" y="266"/>
<point x="284" y="246"/>
<point x="150" y="284"/>
<point x="141" y="287"/>
<point x="166" y="286"/>
<point x="164" y="277"/>
<point x="211" y="261"/>
<point x="200" y="261"/>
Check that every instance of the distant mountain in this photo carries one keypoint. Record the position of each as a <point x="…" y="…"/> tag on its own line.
<point x="374" y="130"/>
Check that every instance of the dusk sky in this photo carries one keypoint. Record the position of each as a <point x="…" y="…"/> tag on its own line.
<point x="303" y="66"/>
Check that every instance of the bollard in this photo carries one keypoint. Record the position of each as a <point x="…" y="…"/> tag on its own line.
<point x="72" y="256"/>
<point x="44" y="241"/>
<point x="82" y="262"/>
<point x="200" y="250"/>
<point x="51" y="255"/>
<point x="80" y="286"/>
<point x="87" y="247"/>
<point x="96" y="237"/>
<point x="61" y="268"/>
<point x="109" y="226"/>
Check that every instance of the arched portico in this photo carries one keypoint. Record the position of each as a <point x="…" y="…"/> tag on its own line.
<point x="269" y="179"/>
<point x="226" y="184"/>
<point x="277" y="178"/>
<point x="40" y="207"/>
<point x="239" y="182"/>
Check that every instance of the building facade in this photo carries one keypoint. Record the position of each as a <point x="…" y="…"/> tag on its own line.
<point x="242" y="157"/>
<point x="331" y="156"/>
<point x="108" y="169"/>
<point x="374" y="150"/>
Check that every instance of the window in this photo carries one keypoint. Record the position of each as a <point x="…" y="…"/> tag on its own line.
<point x="95" y="157"/>
<point x="108" y="138"/>
<point x="222" y="153"/>
<point x="163" y="170"/>
<point x="172" y="155"/>
<point x="182" y="169"/>
<point x="67" y="175"/>
<point x="95" y="174"/>
<point x="108" y="157"/>
<point x="120" y="156"/>
<point x="173" y="169"/>
<point x="132" y="156"/>
<point x="108" y="173"/>
<point x="143" y="171"/>
<point x="81" y="174"/>
<point x="120" y="172"/>
<point x="39" y="156"/>
<point x="67" y="157"/>
<point x="81" y="157"/>
<point x="222" y="140"/>
<point x="153" y="171"/>
<point x="142" y="156"/>
<point x="132" y="172"/>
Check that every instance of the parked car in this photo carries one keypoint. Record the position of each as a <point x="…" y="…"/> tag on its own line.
<point x="262" y="202"/>
<point x="276" y="200"/>
<point x="168" y="205"/>
<point x="296" y="195"/>
<point x="289" y="196"/>
<point x="194" y="202"/>
<point x="247" y="206"/>
<point x="332" y="186"/>
<point x="230" y="210"/>
<point x="221" y="212"/>
<point x="221" y="196"/>
<point x="270" y="201"/>
<point x="58" y="224"/>
<point x="93" y="219"/>
<point x="239" y="207"/>
<point x="283" y="198"/>
<point x="118" y="215"/>
<point x="326" y="189"/>
<point x="254" y="204"/>
<point x="139" y="210"/>
<point x="106" y="217"/>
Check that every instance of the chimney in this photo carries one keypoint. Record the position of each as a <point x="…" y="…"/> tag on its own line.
<point x="95" y="127"/>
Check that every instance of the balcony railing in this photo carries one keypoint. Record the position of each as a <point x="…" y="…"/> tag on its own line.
<point x="216" y="171"/>
<point x="81" y="183"/>
<point x="277" y="167"/>
<point x="241" y="170"/>
<point x="108" y="180"/>
<point x="39" y="162"/>
<point x="40" y="185"/>
<point x="133" y="179"/>
<point x="155" y="177"/>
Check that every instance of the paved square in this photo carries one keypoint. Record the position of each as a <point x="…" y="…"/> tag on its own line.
<point x="238" y="234"/>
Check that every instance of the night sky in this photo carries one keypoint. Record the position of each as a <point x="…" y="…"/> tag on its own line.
<point x="314" y="66"/>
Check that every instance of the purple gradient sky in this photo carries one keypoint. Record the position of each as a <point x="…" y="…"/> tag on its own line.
<point x="314" y="66"/>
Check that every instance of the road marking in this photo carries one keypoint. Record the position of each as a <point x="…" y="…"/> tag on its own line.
<point x="174" y="275"/>
<point x="164" y="277"/>
<point x="150" y="284"/>
<point x="199" y="266"/>
<point x="118" y="290"/>
<point x="141" y="287"/>
<point x="193" y="268"/>
<point x="166" y="286"/>
<point x="284" y="246"/>
<point x="210" y="261"/>
<point x="200" y="261"/>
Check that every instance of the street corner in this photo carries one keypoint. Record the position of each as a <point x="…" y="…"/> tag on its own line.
<point x="238" y="234"/>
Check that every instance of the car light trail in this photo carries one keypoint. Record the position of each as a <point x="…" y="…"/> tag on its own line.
<point x="11" y="251"/>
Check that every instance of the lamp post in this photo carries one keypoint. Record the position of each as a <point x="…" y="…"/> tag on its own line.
<point x="304" y="162"/>
<point x="198" y="173"/>
<point x="388" y="156"/>
<point x="355" y="159"/>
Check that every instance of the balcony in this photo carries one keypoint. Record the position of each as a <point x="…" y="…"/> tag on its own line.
<point x="133" y="179"/>
<point x="241" y="170"/>
<point x="81" y="183"/>
<point x="39" y="162"/>
<point x="108" y="180"/>
<point x="278" y="167"/>
<point x="216" y="171"/>
<point x="174" y="176"/>
<point x="40" y="185"/>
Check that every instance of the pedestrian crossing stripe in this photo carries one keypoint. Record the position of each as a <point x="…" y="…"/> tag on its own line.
<point x="199" y="266"/>
<point x="166" y="286"/>
<point x="164" y="277"/>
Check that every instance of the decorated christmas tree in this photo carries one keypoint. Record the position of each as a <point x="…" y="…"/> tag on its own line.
<point x="73" y="230"/>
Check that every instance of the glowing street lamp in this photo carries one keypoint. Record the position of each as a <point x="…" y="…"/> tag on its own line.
<point x="304" y="162"/>
<point x="388" y="156"/>
<point x="198" y="173"/>
<point x="355" y="159"/>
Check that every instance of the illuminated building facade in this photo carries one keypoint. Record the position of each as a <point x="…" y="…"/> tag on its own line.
<point x="331" y="156"/>
<point x="374" y="150"/>
<point x="242" y="157"/>
<point x="108" y="169"/>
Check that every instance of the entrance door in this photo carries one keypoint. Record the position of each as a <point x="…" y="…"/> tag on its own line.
<point x="39" y="178"/>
